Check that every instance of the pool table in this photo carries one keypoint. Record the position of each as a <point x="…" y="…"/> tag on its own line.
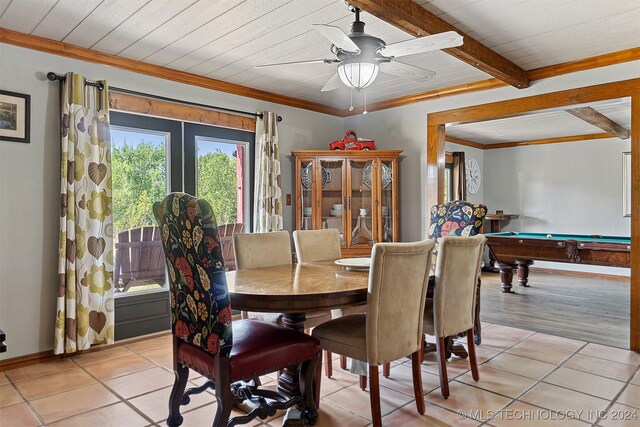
<point x="519" y="250"/>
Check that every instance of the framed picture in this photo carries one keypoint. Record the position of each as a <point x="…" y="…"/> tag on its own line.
<point x="15" y="112"/>
<point x="626" y="184"/>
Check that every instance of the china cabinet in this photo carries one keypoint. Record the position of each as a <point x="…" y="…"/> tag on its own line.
<point x="355" y="192"/>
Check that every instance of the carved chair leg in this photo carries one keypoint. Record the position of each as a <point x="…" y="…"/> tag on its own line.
<point x="222" y="372"/>
<point x="386" y="370"/>
<point x="442" y="367"/>
<point x="343" y="362"/>
<point x="328" y="366"/>
<point x="363" y="382"/>
<point x="175" y="398"/>
<point x="417" y="380"/>
<point x="423" y="346"/>
<point x="472" y="355"/>
<point x="374" y="396"/>
<point x="309" y="390"/>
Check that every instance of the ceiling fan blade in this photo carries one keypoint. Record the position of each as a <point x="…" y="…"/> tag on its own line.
<point x="400" y="69"/>
<point x="422" y="44"/>
<point x="333" y="83"/>
<point x="336" y="36"/>
<point x="313" y="61"/>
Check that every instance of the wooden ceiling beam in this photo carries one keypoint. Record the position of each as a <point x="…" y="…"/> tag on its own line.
<point x="607" y="59"/>
<point x="417" y="21"/>
<point x="542" y="141"/>
<point x="599" y="120"/>
<point x="465" y="142"/>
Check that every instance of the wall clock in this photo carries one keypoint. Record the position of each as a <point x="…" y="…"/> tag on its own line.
<point x="473" y="175"/>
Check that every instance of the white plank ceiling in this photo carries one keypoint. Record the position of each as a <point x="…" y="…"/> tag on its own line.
<point x="225" y="40"/>
<point x="549" y="123"/>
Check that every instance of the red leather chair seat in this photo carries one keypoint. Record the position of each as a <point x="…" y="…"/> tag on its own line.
<point x="258" y="348"/>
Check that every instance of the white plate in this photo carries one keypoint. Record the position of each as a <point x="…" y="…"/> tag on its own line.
<point x="358" y="264"/>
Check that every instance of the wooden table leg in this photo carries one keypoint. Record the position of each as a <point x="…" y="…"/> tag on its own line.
<point x="506" y="276"/>
<point x="289" y="381"/>
<point x="523" y="271"/>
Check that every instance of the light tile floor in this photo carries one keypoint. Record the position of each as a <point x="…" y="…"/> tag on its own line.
<point x="526" y="379"/>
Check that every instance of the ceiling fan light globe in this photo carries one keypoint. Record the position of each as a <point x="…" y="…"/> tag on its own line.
<point x="358" y="75"/>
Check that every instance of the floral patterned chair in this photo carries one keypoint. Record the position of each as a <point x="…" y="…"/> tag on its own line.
<point x="204" y="337"/>
<point x="457" y="218"/>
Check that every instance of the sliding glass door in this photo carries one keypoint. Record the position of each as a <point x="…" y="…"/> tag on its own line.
<point x="150" y="158"/>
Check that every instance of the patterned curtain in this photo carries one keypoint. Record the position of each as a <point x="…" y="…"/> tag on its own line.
<point x="267" y="209"/>
<point x="459" y="175"/>
<point x="85" y="269"/>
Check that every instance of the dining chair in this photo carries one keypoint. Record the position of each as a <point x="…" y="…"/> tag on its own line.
<point x="392" y="326"/>
<point x="324" y="245"/>
<point x="454" y="218"/>
<point x="451" y="310"/>
<point x="204" y="337"/>
<point x="457" y="218"/>
<point x="257" y="250"/>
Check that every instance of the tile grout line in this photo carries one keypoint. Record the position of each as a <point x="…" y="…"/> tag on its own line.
<point x="540" y="380"/>
<point x="537" y="381"/>
<point x="617" y="396"/>
<point x="28" y="402"/>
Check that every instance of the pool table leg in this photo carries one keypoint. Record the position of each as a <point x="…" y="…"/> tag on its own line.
<point x="506" y="276"/>
<point x="523" y="271"/>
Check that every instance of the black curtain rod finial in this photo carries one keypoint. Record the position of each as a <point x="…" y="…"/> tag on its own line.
<point x="53" y="76"/>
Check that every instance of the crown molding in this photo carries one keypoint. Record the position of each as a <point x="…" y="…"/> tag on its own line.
<point x="63" y="49"/>
<point x="59" y="48"/>
<point x="605" y="60"/>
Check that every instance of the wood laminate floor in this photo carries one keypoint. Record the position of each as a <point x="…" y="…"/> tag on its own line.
<point x="584" y="308"/>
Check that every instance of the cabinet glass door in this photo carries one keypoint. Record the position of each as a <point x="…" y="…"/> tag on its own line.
<point x="362" y="183"/>
<point x="332" y="197"/>
<point x="387" y="187"/>
<point x="305" y="205"/>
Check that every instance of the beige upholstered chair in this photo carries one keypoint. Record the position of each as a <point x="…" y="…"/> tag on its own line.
<point x="392" y="326"/>
<point x="256" y="250"/>
<point x="324" y="245"/>
<point x="451" y="311"/>
<point x="317" y="245"/>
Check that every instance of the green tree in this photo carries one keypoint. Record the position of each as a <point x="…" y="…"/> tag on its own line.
<point x="217" y="184"/>
<point x="139" y="179"/>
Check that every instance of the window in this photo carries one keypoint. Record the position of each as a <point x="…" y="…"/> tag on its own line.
<point x="448" y="181"/>
<point x="150" y="158"/>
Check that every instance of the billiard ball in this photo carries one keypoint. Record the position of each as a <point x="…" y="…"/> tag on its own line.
<point x="548" y="236"/>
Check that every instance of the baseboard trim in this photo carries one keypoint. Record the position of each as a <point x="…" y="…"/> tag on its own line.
<point x="48" y="356"/>
<point x="28" y="359"/>
<point x="581" y="274"/>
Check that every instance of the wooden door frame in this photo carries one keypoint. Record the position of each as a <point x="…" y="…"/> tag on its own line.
<point x="626" y="88"/>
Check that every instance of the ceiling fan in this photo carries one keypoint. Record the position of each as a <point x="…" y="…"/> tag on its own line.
<point x="361" y="56"/>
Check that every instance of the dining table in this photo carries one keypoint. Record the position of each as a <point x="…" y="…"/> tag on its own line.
<point x="295" y="290"/>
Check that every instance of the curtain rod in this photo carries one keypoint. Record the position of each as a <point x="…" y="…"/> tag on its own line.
<point x="53" y="77"/>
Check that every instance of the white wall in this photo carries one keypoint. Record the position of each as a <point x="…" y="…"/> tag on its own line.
<point x="573" y="188"/>
<point x="406" y="127"/>
<point x="29" y="182"/>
